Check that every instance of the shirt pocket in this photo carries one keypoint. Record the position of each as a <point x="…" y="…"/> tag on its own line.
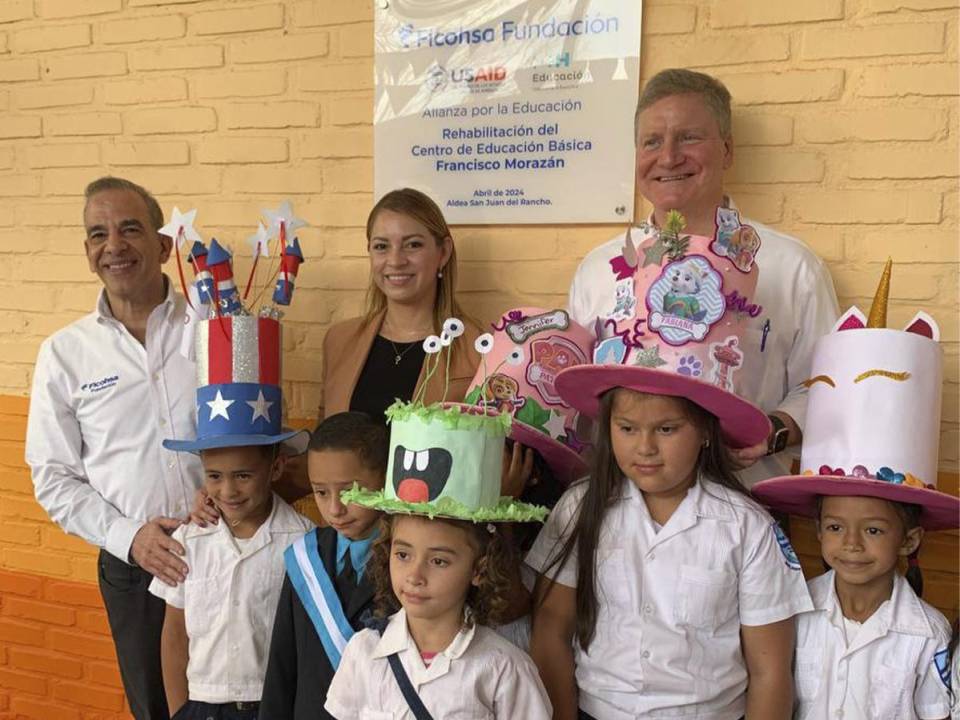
<point x="201" y="603"/>
<point x="612" y="579"/>
<point x="705" y="598"/>
<point x="368" y="714"/>
<point x="809" y="668"/>
<point x="891" y="692"/>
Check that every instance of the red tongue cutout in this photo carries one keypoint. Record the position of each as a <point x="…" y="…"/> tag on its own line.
<point x="413" y="490"/>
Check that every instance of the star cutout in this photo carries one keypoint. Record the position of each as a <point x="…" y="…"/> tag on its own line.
<point x="653" y="255"/>
<point x="180" y="227"/>
<point x="260" y="241"/>
<point x="555" y="425"/>
<point x="261" y="408"/>
<point x="283" y="214"/>
<point x="649" y="357"/>
<point x="218" y="407"/>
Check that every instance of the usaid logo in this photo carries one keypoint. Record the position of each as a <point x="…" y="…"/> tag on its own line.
<point x="99" y="385"/>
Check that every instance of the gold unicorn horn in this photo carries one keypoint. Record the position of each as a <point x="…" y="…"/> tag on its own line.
<point x="878" y="310"/>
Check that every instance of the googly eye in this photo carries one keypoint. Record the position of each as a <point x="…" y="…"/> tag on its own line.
<point x="453" y="327"/>
<point x="483" y="344"/>
<point x="445" y="339"/>
<point x="432" y="345"/>
<point x="516" y="356"/>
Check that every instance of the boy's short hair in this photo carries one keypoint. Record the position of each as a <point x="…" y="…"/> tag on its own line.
<point x="354" y="432"/>
<point x="268" y="451"/>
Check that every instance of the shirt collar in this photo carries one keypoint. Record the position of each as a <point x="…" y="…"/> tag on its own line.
<point x="698" y="503"/>
<point x="169" y="302"/>
<point x="902" y="613"/>
<point x="359" y="550"/>
<point x="396" y="638"/>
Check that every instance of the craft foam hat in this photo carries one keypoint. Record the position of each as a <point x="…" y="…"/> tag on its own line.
<point x="680" y="324"/>
<point x="445" y="458"/>
<point x="873" y="418"/>
<point x="238" y="357"/>
<point x="551" y="342"/>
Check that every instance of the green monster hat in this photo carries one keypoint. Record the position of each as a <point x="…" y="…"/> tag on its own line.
<point x="446" y="458"/>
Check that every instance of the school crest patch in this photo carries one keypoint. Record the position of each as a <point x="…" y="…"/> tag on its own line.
<point x="942" y="661"/>
<point x="793" y="562"/>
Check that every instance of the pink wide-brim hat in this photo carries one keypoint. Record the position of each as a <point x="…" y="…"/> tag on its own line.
<point x="742" y="423"/>
<point x="566" y="465"/>
<point x="797" y="495"/>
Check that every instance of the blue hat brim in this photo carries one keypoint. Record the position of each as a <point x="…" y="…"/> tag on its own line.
<point x="294" y="441"/>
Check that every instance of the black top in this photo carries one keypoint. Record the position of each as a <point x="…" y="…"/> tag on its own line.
<point x="299" y="672"/>
<point x="383" y="379"/>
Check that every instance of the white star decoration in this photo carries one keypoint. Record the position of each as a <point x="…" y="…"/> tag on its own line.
<point x="283" y="214"/>
<point x="259" y="241"/>
<point x="555" y="425"/>
<point x="261" y="407"/>
<point x="218" y="407"/>
<point x="181" y="221"/>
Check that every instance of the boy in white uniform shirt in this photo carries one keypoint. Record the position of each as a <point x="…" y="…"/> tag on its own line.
<point x="216" y="633"/>
<point x="871" y="648"/>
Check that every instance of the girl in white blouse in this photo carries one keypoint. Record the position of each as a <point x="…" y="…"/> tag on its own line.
<point x="664" y="591"/>
<point x="444" y="580"/>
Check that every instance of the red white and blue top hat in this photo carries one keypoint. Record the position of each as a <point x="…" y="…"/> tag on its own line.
<point x="238" y="354"/>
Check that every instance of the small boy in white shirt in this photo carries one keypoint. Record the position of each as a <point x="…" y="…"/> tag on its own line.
<point x="871" y="648"/>
<point x="216" y="633"/>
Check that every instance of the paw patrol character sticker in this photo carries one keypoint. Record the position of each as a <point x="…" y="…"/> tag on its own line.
<point x="739" y="243"/>
<point x="726" y="359"/>
<point x="548" y="357"/>
<point x="686" y="300"/>
<point x="504" y="394"/>
<point x="623" y="308"/>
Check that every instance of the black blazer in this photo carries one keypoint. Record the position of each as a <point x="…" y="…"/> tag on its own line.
<point x="299" y="672"/>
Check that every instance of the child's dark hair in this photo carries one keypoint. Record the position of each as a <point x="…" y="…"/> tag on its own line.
<point x="543" y="488"/>
<point x="487" y="601"/>
<point x="603" y="488"/>
<point x="909" y="515"/>
<point x="354" y="432"/>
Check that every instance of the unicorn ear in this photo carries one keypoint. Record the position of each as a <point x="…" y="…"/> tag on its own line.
<point x="923" y="324"/>
<point x="852" y="319"/>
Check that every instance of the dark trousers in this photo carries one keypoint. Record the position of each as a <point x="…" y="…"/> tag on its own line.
<point x="136" y="620"/>
<point x="195" y="710"/>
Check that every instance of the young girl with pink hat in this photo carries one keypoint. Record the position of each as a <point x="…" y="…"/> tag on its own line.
<point x="663" y="588"/>
<point x="871" y="647"/>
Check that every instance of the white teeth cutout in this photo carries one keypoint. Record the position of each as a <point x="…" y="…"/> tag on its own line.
<point x="407" y="459"/>
<point x="423" y="458"/>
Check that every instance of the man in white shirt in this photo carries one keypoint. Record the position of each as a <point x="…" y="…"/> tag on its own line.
<point x="106" y="390"/>
<point x="684" y="145"/>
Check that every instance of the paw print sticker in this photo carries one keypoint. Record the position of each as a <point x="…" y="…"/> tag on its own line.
<point x="690" y="366"/>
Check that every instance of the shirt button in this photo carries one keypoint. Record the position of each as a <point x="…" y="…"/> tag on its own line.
<point x="163" y="422"/>
<point x="839" y="713"/>
<point x="645" y="654"/>
<point x="648" y="608"/>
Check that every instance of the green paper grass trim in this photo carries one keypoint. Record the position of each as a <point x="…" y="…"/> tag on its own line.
<point x="506" y="510"/>
<point x="453" y="417"/>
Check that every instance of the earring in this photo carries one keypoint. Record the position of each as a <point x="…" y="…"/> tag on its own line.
<point x="706" y="443"/>
<point x="439" y="274"/>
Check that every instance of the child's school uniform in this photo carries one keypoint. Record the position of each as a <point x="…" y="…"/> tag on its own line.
<point x="672" y="600"/>
<point x="479" y="676"/>
<point x="894" y="666"/>
<point x="228" y="600"/>
<point x="303" y="653"/>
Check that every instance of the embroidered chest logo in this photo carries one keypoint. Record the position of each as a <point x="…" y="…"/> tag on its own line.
<point x="685" y="300"/>
<point x="100" y="385"/>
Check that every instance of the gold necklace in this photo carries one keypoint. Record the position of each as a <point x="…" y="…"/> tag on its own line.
<point x="399" y="355"/>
